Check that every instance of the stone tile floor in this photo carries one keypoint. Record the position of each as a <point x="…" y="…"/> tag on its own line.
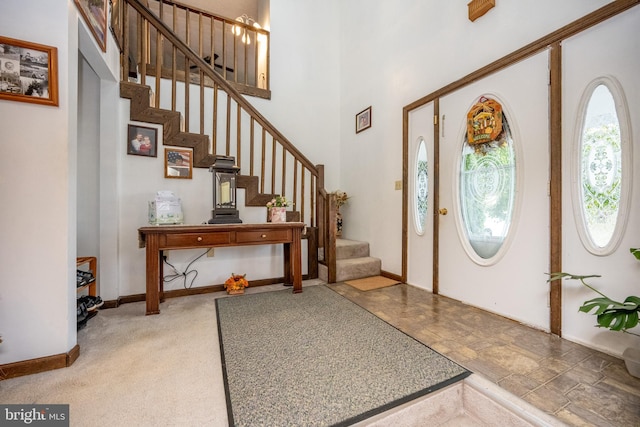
<point x="579" y="386"/>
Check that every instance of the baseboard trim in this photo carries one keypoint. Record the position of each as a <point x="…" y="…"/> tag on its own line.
<point x="40" y="364"/>
<point x="391" y="276"/>
<point x="175" y="293"/>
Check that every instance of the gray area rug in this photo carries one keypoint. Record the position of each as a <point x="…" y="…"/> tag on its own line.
<point x="317" y="359"/>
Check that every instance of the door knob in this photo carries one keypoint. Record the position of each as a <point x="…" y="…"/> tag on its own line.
<point x="443" y="211"/>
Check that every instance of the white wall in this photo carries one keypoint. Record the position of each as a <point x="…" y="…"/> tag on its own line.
<point x="37" y="187"/>
<point x="305" y="80"/>
<point x="88" y="182"/>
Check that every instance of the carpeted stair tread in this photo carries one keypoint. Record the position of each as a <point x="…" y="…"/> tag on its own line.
<point x="351" y="249"/>
<point x="356" y="268"/>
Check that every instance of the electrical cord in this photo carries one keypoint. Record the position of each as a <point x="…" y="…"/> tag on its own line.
<point x="184" y="275"/>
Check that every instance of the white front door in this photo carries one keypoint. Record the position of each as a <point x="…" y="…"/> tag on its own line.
<point x="603" y="64"/>
<point x="476" y="266"/>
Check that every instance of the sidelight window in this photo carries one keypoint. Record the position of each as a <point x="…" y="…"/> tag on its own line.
<point x="421" y="187"/>
<point x="601" y="172"/>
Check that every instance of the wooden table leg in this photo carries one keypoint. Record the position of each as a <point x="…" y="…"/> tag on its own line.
<point x="153" y="275"/>
<point x="295" y="260"/>
<point x="288" y="278"/>
<point x="161" y="277"/>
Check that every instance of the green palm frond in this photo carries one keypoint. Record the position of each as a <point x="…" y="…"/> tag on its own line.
<point x="561" y="275"/>
<point x="612" y="314"/>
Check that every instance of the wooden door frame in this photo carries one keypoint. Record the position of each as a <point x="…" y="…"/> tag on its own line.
<point x="553" y="43"/>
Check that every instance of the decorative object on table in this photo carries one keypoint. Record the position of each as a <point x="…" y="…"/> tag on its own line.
<point x="341" y="199"/>
<point x="178" y="163"/>
<point x="225" y="173"/>
<point x="29" y="72"/>
<point x="94" y="13"/>
<point x="363" y="120"/>
<point x="166" y="208"/>
<point x="235" y="284"/>
<point x="611" y="314"/>
<point x="277" y="209"/>
<point x="142" y="141"/>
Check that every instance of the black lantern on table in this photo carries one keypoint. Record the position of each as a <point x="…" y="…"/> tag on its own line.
<point x="224" y="173"/>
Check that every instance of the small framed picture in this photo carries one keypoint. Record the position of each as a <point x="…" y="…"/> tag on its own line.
<point x="363" y="120"/>
<point x="28" y="72"/>
<point x="142" y="141"/>
<point x="178" y="163"/>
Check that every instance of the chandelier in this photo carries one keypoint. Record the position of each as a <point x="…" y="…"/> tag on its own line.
<point x="241" y="30"/>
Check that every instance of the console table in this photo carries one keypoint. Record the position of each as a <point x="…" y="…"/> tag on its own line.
<point x="164" y="237"/>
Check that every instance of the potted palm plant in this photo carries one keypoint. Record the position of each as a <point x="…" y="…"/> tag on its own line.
<point x="612" y="314"/>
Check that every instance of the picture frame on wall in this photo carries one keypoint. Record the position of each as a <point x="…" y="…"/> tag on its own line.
<point x="94" y="13"/>
<point x="363" y="120"/>
<point x="28" y="72"/>
<point x="142" y="141"/>
<point x="178" y="163"/>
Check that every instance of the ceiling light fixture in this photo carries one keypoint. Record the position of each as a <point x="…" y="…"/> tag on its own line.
<point x="242" y="30"/>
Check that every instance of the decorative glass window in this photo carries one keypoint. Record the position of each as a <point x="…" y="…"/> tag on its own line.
<point x="601" y="172"/>
<point x="487" y="191"/>
<point x="421" y="187"/>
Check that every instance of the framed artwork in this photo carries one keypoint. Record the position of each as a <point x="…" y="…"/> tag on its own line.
<point x="116" y="21"/>
<point x="178" y="163"/>
<point x="94" y="13"/>
<point x="142" y="141"/>
<point x="363" y="120"/>
<point x="28" y="72"/>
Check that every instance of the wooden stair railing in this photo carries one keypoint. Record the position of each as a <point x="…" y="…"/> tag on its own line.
<point x="238" y="51"/>
<point x="223" y="122"/>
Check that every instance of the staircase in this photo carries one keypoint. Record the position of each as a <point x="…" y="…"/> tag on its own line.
<point x="352" y="262"/>
<point x="201" y="110"/>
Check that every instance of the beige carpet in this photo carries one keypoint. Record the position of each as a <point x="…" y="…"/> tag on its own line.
<point x="137" y="370"/>
<point x="370" y="283"/>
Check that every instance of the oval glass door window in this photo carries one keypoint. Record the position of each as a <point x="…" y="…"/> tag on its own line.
<point x="421" y="187"/>
<point x="487" y="192"/>
<point x="601" y="171"/>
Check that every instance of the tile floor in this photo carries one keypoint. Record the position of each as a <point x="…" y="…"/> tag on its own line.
<point x="580" y="386"/>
